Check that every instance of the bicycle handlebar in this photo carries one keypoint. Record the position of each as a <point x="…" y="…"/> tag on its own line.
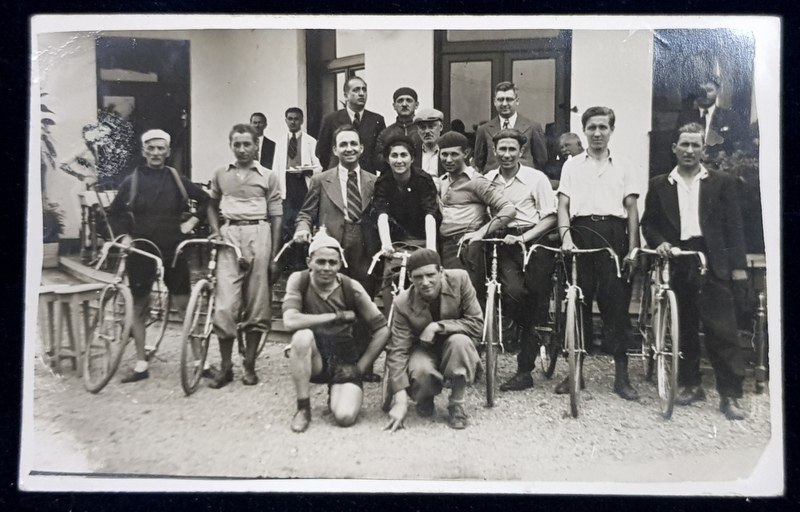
<point x="492" y="241"/>
<point x="129" y="248"/>
<point x="675" y="252"/>
<point x="559" y="250"/>
<point x="207" y="241"/>
<point x="402" y="255"/>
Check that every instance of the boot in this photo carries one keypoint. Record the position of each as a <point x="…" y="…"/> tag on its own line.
<point x="251" y="347"/>
<point x="622" y="386"/>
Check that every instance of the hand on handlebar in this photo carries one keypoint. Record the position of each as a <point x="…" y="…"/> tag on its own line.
<point x="188" y="226"/>
<point x="470" y="238"/>
<point x="567" y="245"/>
<point x="512" y="239"/>
<point x="214" y="236"/>
<point x="664" y="249"/>
<point x="302" y="237"/>
<point x="387" y="251"/>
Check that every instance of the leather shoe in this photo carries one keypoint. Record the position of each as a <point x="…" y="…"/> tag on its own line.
<point x="563" y="386"/>
<point x="731" y="408"/>
<point x="222" y="379"/>
<point x="250" y="378"/>
<point x="458" y="417"/>
<point x="209" y="373"/>
<point x="518" y="382"/>
<point x="134" y="376"/>
<point x="371" y="377"/>
<point x="625" y="390"/>
<point x="301" y="420"/>
<point x="690" y="395"/>
<point x="425" y="407"/>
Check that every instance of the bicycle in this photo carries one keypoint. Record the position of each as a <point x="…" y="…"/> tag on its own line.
<point x="399" y="286"/>
<point x="110" y="329"/>
<point x="574" y="348"/>
<point x="492" y="336"/>
<point x="553" y="332"/>
<point x="198" y="323"/>
<point x="665" y="348"/>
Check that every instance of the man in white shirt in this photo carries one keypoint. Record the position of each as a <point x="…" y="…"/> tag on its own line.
<point x="429" y="121"/>
<point x="597" y="208"/>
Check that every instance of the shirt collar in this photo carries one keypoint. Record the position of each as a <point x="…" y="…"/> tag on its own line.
<point x="299" y="134"/>
<point x="255" y="166"/>
<point x="512" y="121"/>
<point x="469" y="171"/>
<point x="425" y="150"/>
<point x="523" y="175"/>
<point x="710" y="109"/>
<point x="343" y="171"/>
<point x="352" y="113"/>
<point x="587" y="156"/>
<point x="673" y="176"/>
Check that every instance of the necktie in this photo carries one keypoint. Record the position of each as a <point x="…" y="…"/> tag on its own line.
<point x="356" y="120"/>
<point x="505" y="124"/>
<point x="705" y="118"/>
<point x="353" y="197"/>
<point x="293" y="147"/>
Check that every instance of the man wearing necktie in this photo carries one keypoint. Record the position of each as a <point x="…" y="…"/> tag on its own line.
<point x="723" y="127"/>
<point x="367" y="124"/>
<point x="295" y="163"/>
<point x="340" y="199"/>
<point x="506" y="101"/>
<point x="266" y="147"/>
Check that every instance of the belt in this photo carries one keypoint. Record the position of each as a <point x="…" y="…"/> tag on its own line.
<point x="244" y="222"/>
<point x="599" y="218"/>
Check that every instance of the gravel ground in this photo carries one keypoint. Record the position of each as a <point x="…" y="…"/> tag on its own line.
<point x="151" y="428"/>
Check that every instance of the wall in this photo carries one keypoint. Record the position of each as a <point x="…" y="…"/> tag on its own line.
<point x="233" y="74"/>
<point x="615" y="69"/>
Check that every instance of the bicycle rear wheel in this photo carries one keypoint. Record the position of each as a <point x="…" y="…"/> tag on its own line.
<point x="160" y="304"/>
<point x="109" y="334"/>
<point x="667" y="352"/>
<point x="196" y="335"/>
<point x="573" y="332"/>
<point x="490" y="338"/>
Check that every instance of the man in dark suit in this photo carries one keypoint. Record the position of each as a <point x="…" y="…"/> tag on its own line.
<point x="341" y="200"/>
<point x="405" y="104"/>
<point x="506" y="101"/>
<point x="266" y="148"/>
<point x="697" y="209"/>
<point x="723" y="128"/>
<point x="368" y="125"/>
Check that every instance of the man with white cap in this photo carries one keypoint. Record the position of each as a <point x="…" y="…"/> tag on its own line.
<point x="405" y="103"/>
<point x="437" y="324"/>
<point x="429" y="121"/>
<point x="321" y="306"/>
<point x="151" y="203"/>
<point x="247" y="196"/>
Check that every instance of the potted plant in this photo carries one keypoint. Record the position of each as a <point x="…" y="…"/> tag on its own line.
<point x="53" y="228"/>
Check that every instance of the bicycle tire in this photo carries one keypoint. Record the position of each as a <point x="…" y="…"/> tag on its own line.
<point x="555" y="342"/>
<point x="645" y="327"/>
<point x="572" y="333"/>
<point x="489" y="340"/>
<point x="667" y="347"/>
<point x="157" y="321"/>
<point x="109" y="334"/>
<point x="196" y="335"/>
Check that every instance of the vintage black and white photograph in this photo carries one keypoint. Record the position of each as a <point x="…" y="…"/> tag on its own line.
<point x="526" y="254"/>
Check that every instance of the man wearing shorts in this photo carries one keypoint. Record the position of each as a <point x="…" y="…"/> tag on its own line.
<point x="247" y="195"/>
<point x="150" y="204"/>
<point x="320" y="306"/>
<point x="436" y="327"/>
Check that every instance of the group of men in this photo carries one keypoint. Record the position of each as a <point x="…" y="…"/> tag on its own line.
<point x="410" y="184"/>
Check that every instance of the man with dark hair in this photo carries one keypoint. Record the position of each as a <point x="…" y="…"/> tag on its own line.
<point x="320" y="306"/>
<point x="506" y="101"/>
<point x="597" y="208"/>
<point x="465" y="199"/>
<point x="697" y="209"/>
<point x="437" y="324"/>
<point x="295" y="163"/>
<point x="367" y="124"/>
<point x="405" y="103"/>
<point x="722" y="127"/>
<point x="266" y="147"/>
<point x="248" y="197"/>
<point x="150" y="204"/>
<point x="525" y="294"/>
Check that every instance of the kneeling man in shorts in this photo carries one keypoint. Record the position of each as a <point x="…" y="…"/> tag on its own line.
<point x="321" y="306"/>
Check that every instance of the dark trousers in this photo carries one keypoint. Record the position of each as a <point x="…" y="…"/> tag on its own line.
<point x="709" y="299"/>
<point x="294" y="258"/>
<point x="597" y="277"/>
<point x="526" y="297"/>
<point x="355" y="252"/>
<point x="472" y="259"/>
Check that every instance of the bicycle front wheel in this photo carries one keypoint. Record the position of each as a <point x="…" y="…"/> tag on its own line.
<point x="573" y="338"/>
<point x="667" y="352"/>
<point x="490" y="339"/>
<point x="645" y="327"/>
<point x="551" y="349"/>
<point x="160" y="304"/>
<point x="196" y="335"/>
<point x="109" y="333"/>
